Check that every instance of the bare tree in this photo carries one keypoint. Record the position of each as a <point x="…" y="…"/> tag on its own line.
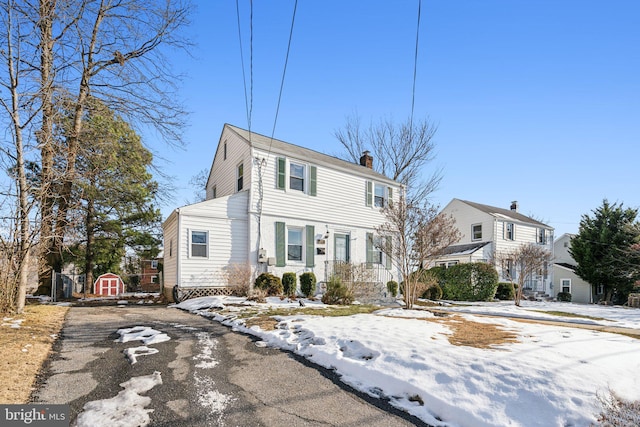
<point x="419" y="234"/>
<point x="520" y="264"/>
<point x="113" y="52"/>
<point x="401" y="151"/>
<point x="199" y="184"/>
<point x="19" y="100"/>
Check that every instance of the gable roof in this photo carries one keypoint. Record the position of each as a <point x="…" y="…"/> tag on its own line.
<point x="502" y="213"/>
<point x="277" y="146"/>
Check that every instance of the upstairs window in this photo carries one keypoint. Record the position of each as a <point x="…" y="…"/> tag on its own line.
<point x="225" y="151"/>
<point x="154" y="264"/>
<point x="297" y="175"/>
<point x="510" y="231"/>
<point x="240" y="177"/>
<point x="476" y="232"/>
<point x="301" y="177"/>
<point x="379" y="195"/>
<point x="542" y="236"/>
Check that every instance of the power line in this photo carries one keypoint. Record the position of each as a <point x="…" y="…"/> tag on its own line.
<point x="248" y="98"/>
<point x="284" y="72"/>
<point x="415" y="67"/>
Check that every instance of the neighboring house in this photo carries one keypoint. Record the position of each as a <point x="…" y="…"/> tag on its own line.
<point x="566" y="279"/>
<point x="277" y="207"/>
<point x="150" y="275"/>
<point x="108" y="284"/>
<point x="488" y="230"/>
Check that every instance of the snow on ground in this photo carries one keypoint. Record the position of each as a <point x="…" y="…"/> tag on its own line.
<point x="551" y="376"/>
<point x="616" y="316"/>
<point x="126" y="409"/>
<point x="11" y="322"/>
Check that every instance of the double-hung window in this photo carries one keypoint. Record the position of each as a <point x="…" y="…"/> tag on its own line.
<point x="542" y="237"/>
<point x="301" y="177"/>
<point x="297" y="174"/>
<point x="199" y="243"/>
<point x="476" y="232"/>
<point x="379" y="195"/>
<point x="510" y="231"/>
<point x="566" y="285"/>
<point x="294" y="244"/>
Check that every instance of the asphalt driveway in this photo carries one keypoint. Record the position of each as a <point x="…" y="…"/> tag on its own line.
<point x="210" y="376"/>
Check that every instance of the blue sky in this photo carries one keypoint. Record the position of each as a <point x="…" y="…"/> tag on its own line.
<point x="535" y="101"/>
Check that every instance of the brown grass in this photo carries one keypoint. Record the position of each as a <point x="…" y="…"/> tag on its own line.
<point x="23" y="350"/>
<point x="475" y="334"/>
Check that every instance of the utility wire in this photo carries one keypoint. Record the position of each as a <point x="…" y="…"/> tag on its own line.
<point x="284" y="72"/>
<point x="244" y="77"/>
<point x="415" y="68"/>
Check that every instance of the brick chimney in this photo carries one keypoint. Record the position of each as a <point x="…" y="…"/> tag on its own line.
<point x="514" y="206"/>
<point x="366" y="160"/>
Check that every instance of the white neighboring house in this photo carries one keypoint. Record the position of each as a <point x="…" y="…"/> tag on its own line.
<point x="487" y="230"/>
<point x="565" y="277"/>
<point x="277" y="207"/>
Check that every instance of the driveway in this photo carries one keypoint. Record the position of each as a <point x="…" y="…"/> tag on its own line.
<point x="207" y="375"/>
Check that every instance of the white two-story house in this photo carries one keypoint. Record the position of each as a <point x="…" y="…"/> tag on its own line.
<point x="488" y="230"/>
<point x="277" y="207"/>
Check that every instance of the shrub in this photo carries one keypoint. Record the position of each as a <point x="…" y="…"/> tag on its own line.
<point x="432" y="291"/>
<point x="392" y="287"/>
<point x="337" y="292"/>
<point x="289" y="284"/>
<point x="270" y="283"/>
<point x="470" y="282"/>
<point x="564" y="296"/>
<point x="308" y="284"/>
<point x="238" y="278"/>
<point x="618" y="412"/>
<point x="505" y="291"/>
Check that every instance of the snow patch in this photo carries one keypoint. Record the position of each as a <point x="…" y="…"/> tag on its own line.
<point x="126" y="409"/>
<point x="133" y="353"/>
<point x="145" y="334"/>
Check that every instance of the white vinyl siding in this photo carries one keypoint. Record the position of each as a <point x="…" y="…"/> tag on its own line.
<point x="225" y="221"/>
<point x="223" y="172"/>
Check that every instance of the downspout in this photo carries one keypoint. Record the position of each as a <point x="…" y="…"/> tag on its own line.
<point x="178" y="251"/>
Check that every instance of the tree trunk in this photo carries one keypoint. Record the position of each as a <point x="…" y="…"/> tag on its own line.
<point x="47" y="260"/>
<point x="88" y="257"/>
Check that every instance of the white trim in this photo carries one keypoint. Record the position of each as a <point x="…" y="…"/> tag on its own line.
<point x="206" y="243"/>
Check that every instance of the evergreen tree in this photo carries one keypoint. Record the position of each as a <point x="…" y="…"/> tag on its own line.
<point x="604" y="249"/>
<point x="116" y="190"/>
